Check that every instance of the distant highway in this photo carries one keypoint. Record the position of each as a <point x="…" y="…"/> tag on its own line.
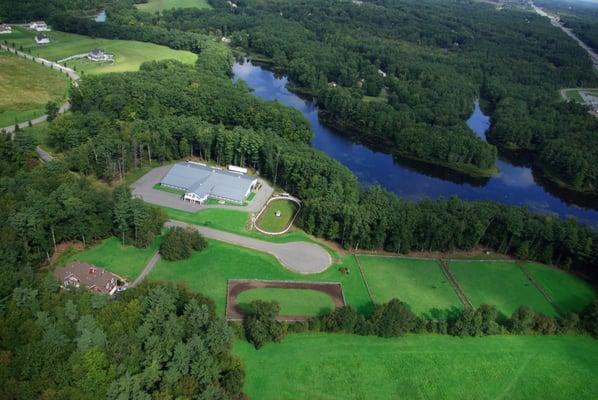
<point x="555" y="22"/>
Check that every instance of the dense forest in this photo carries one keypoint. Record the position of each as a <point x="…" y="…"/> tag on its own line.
<point x="405" y="74"/>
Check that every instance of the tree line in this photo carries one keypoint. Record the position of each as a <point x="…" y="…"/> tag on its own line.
<point x="395" y="318"/>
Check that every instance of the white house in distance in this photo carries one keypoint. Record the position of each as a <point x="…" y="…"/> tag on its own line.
<point x="41" y="39"/>
<point x="98" y="55"/>
<point x="200" y="182"/>
<point x="5" y="28"/>
<point x="39" y="26"/>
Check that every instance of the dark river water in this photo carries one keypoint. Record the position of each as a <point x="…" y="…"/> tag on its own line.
<point x="516" y="184"/>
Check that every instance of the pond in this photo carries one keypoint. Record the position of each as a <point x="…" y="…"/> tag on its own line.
<point x="516" y="184"/>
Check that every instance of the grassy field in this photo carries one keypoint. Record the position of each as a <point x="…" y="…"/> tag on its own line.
<point x="159" y="5"/>
<point x="209" y="270"/>
<point x="269" y="222"/>
<point x="502" y="284"/>
<point x="126" y="261"/>
<point x="170" y="190"/>
<point x="569" y="292"/>
<point x="330" y="366"/>
<point x="23" y="98"/>
<point x="303" y="302"/>
<point x="419" y="283"/>
<point x="128" y="54"/>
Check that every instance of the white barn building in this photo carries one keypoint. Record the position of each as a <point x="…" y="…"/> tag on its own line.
<point x="39" y="26"/>
<point x="200" y="182"/>
<point x="5" y="28"/>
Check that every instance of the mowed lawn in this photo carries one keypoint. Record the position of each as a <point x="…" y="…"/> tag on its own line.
<point x="293" y="302"/>
<point x="419" y="283"/>
<point x="125" y="261"/>
<point x="209" y="270"/>
<point x="502" y="284"/>
<point x="270" y="222"/>
<point x="128" y="54"/>
<point x="26" y="87"/>
<point x="334" y="366"/>
<point x="571" y="293"/>
<point x="159" y="5"/>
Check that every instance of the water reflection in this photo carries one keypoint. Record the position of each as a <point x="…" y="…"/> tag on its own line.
<point x="516" y="184"/>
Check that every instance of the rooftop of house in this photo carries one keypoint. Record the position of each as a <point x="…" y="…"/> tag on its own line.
<point x="205" y="180"/>
<point x="40" y="36"/>
<point x="95" y="278"/>
<point x="97" y="52"/>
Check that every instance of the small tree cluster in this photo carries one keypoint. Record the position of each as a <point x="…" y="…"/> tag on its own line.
<point x="260" y="323"/>
<point x="180" y="243"/>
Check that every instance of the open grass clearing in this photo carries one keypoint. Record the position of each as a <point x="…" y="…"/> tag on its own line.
<point x="502" y="284"/>
<point x="159" y="5"/>
<point x="569" y="292"/>
<point x="208" y="272"/>
<point x="277" y="216"/>
<point x="128" y="54"/>
<point x="300" y="302"/>
<point x="125" y="261"/>
<point x="26" y="87"/>
<point x="334" y="366"/>
<point x="417" y="282"/>
<point x="170" y="190"/>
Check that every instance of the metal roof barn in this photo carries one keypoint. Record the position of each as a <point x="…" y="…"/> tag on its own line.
<point x="201" y="181"/>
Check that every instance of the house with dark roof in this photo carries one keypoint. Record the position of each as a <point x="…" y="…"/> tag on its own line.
<point x="94" y="278"/>
<point x="200" y="182"/>
<point x="5" y="28"/>
<point x="99" y="55"/>
<point x="40" y="38"/>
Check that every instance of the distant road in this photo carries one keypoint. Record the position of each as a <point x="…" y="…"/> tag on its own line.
<point x="556" y="23"/>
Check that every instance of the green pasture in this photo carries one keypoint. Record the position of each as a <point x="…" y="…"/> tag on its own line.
<point x="125" y="261"/>
<point x="417" y="282"/>
<point x="170" y="190"/>
<point x="569" y="292"/>
<point x="26" y="87"/>
<point x="128" y="54"/>
<point x="208" y="272"/>
<point x="159" y="5"/>
<point x="269" y="222"/>
<point x="502" y="284"/>
<point x="293" y="302"/>
<point x="334" y="366"/>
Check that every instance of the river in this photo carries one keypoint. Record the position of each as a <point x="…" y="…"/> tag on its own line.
<point x="516" y="184"/>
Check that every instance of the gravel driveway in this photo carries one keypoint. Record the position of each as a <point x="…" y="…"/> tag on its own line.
<point x="301" y="257"/>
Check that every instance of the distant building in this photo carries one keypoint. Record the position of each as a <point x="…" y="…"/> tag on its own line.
<point x="200" y="182"/>
<point x="96" y="279"/>
<point x="39" y="26"/>
<point x="99" y="55"/>
<point x="41" y="39"/>
<point x="382" y="73"/>
<point x="5" y="28"/>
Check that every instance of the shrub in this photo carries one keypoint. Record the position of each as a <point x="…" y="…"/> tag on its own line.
<point x="393" y="319"/>
<point x="260" y="323"/>
<point x="590" y="319"/>
<point x="179" y="243"/>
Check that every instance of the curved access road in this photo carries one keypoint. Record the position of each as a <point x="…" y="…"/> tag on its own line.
<point x="301" y="257"/>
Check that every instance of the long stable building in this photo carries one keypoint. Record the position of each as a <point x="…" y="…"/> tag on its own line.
<point x="200" y="182"/>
